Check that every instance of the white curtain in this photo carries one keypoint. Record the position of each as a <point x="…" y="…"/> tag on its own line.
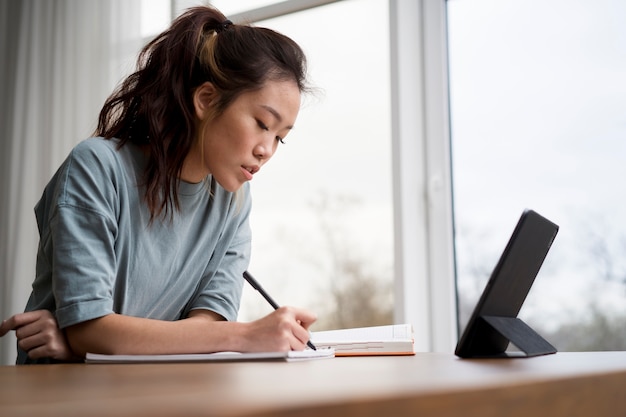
<point x="59" y="60"/>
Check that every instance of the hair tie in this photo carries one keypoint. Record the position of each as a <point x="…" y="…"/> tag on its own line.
<point x="223" y="26"/>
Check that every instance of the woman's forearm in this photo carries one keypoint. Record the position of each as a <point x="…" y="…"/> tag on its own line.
<point x="119" y="334"/>
<point x="202" y="332"/>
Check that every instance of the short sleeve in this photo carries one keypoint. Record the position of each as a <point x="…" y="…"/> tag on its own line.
<point x="80" y="235"/>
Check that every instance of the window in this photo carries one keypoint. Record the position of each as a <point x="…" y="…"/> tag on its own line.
<point x="537" y="97"/>
<point x="155" y="17"/>
<point x="229" y="7"/>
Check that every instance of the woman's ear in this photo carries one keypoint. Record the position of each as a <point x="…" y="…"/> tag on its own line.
<point x="204" y="99"/>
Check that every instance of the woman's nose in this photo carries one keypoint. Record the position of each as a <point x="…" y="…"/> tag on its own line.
<point x="264" y="150"/>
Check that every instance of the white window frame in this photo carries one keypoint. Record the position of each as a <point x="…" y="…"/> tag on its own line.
<point x="424" y="290"/>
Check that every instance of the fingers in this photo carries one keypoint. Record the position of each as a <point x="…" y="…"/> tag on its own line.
<point x="33" y="322"/>
<point x="38" y="334"/>
<point x="297" y="322"/>
<point x="282" y="330"/>
<point x="33" y="343"/>
<point x="5" y="327"/>
<point x="31" y="328"/>
<point x="305" y="318"/>
<point x="46" y="345"/>
<point x="18" y="320"/>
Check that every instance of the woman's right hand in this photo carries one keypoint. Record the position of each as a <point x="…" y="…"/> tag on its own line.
<point x="39" y="335"/>
<point x="284" y="329"/>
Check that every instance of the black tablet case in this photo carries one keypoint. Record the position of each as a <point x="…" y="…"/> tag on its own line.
<point x="494" y="322"/>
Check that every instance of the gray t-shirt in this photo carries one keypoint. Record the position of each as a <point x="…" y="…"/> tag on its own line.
<point x="99" y="255"/>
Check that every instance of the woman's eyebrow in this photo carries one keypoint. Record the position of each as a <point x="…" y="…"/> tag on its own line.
<point x="275" y="113"/>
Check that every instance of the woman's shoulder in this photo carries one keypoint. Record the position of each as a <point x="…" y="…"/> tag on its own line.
<point x="88" y="173"/>
<point x="96" y="158"/>
<point x="95" y="146"/>
<point x="97" y="152"/>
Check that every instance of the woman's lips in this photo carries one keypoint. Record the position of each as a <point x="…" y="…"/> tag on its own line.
<point x="249" y="172"/>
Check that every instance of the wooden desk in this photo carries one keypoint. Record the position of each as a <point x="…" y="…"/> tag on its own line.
<point x="428" y="384"/>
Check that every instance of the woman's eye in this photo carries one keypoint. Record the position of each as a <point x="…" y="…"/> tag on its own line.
<point x="263" y="126"/>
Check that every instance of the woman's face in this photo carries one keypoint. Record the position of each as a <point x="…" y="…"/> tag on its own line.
<point x="238" y="142"/>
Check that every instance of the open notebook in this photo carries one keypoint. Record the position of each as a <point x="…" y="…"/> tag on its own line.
<point x="213" y="357"/>
<point x="396" y="339"/>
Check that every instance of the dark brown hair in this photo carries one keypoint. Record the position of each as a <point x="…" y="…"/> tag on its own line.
<point x="154" y="105"/>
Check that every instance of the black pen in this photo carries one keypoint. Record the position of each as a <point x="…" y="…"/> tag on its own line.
<point x="255" y="284"/>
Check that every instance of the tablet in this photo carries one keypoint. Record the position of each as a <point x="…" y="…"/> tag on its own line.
<point x="494" y="324"/>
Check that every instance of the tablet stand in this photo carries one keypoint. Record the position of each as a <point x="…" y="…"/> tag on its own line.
<point x="521" y="335"/>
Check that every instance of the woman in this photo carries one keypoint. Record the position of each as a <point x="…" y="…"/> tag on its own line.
<point x="144" y="231"/>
